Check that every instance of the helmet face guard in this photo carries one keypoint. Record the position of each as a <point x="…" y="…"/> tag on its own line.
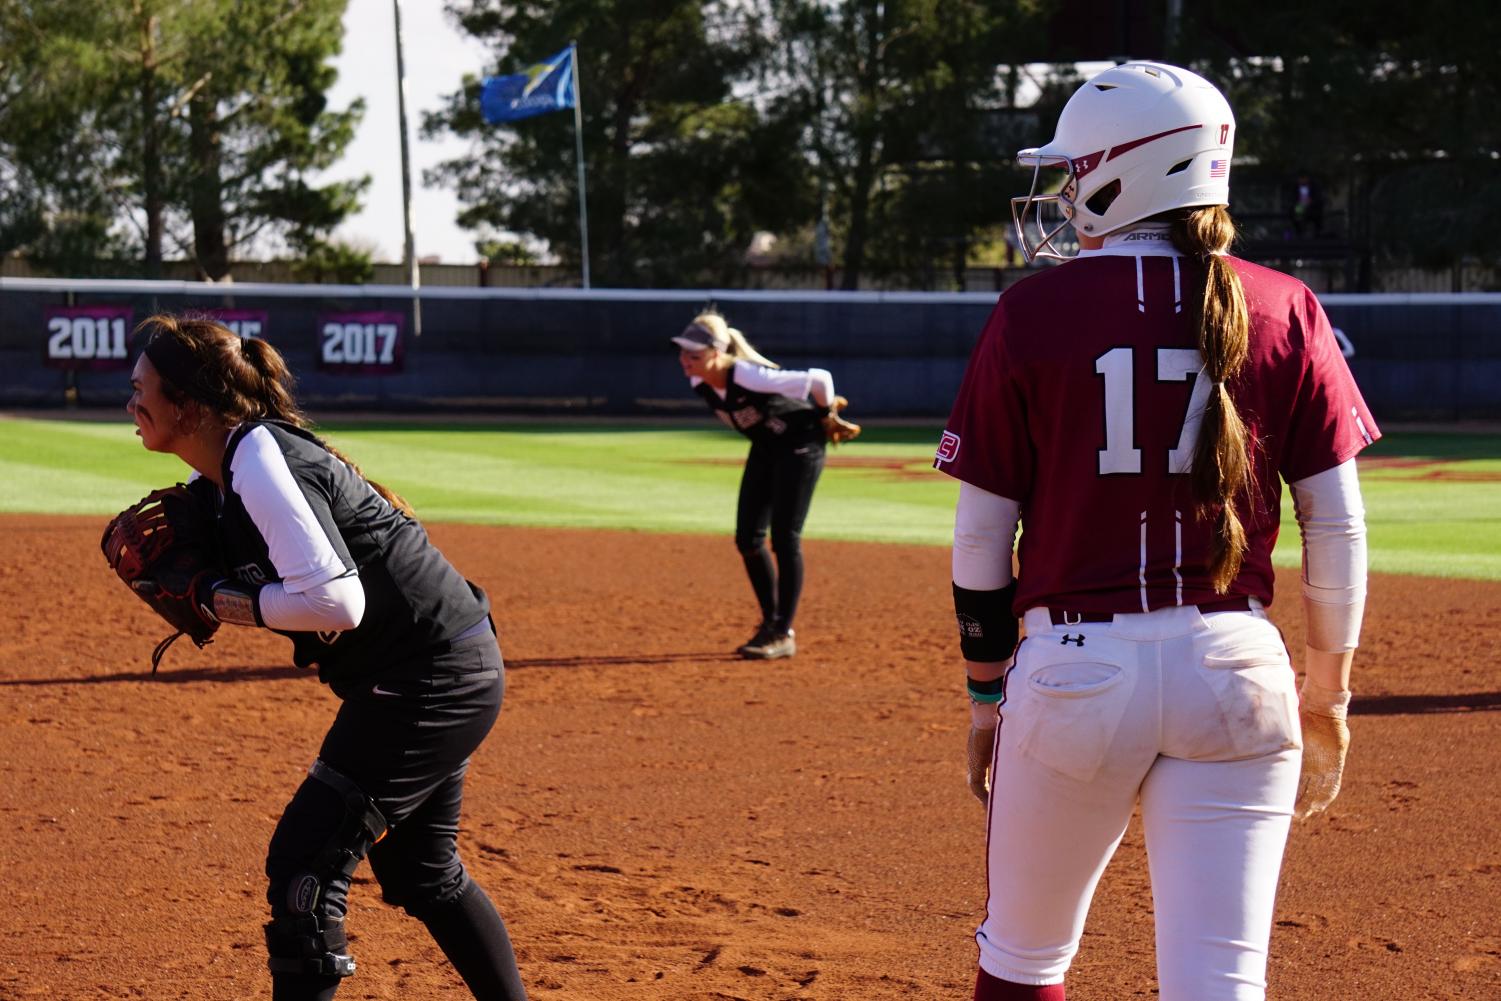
<point x="1033" y="237"/>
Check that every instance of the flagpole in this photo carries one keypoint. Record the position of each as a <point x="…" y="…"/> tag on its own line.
<point x="578" y="136"/>
<point x="410" y="247"/>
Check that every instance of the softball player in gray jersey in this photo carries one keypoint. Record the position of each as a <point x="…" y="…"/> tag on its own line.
<point x="1136" y="409"/>
<point x="337" y="563"/>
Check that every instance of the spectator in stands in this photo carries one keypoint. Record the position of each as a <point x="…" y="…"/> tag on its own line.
<point x="1306" y="207"/>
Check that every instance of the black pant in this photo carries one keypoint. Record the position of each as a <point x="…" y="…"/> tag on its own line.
<point x="776" y="490"/>
<point x="405" y="739"/>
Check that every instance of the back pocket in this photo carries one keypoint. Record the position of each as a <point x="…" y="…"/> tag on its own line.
<point x="1257" y="696"/>
<point x="1071" y="714"/>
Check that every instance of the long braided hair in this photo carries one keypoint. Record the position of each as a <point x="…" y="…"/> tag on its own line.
<point x="1222" y="468"/>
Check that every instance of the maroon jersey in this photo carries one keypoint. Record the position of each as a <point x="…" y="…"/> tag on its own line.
<point x="1081" y="401"/>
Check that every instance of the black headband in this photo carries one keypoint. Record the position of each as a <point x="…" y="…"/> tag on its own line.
<point x="177" y="364"/>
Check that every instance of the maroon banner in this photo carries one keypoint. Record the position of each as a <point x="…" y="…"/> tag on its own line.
<point x="245" y="322"/>
<point x="87" y="337"/>
<point x="361" y="343"/>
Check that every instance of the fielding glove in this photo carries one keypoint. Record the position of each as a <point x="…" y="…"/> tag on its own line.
<point x="163" y="548"/>
<point x="835" y="428"/>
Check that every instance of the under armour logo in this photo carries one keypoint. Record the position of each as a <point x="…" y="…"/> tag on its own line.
<point x="1075" y="640"/>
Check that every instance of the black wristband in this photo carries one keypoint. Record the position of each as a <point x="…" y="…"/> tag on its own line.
<point x="987" y="626"/>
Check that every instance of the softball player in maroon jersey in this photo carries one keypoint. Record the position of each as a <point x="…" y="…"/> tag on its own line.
<point x="1135" y="410"/>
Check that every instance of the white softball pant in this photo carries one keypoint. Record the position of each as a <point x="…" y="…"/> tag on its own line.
<point x="1193" y="716"/>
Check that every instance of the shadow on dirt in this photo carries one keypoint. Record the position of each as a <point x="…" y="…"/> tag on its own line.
<point x="1411" y="705"/>
<point x="169" y="677"/>
<point x="716" y="656"/>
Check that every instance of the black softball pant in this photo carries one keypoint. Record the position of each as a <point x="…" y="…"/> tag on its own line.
<point x="776" y="490"/>
<point x="405" y="739"/>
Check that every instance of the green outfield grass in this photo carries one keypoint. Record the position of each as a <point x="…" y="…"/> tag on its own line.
<point x="1433" y="499"/>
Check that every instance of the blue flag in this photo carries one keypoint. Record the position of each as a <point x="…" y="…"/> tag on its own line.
<point x="543" y="87"/>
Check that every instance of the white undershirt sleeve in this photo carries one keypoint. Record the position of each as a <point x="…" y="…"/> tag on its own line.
<point x="821" y="385"/>
<point x="296" y="542"/>
<point x="984" y="534"/>
<point x="794" y="383"/>
<point x="317" y="591"/>
<point x="789" y="382"/>
<point x="1331" y="518"/>
<point x="335" y="605"/>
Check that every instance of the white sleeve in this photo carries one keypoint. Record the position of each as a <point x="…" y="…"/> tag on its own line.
<point x="821" y="385"/>
<point x="334" y="605"/>
<point x="984" y="532"/>
<point x="790" y="382"/>
<point x="296" y="542"/>
<point x="1331" y="517"/>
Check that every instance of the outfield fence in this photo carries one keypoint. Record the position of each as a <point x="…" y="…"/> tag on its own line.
<point x="606" y="351"/>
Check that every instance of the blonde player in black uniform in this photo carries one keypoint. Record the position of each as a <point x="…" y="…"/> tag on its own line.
<point x="770" y="406"/>
<point x="338" y="564"/>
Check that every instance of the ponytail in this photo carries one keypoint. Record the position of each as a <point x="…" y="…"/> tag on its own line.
<point x="1222" y="469"/>
<point x="269" y="383"/>
<point x="271" y="386"/>
<point x="739" y="348"/>
<point x="240" y="379"/>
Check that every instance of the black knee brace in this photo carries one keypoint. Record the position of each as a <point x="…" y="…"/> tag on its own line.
<point x="300" y="943"/>
<point x="301" y="936"/>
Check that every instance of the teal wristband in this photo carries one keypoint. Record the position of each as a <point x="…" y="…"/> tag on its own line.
<point x="986" y="691"/>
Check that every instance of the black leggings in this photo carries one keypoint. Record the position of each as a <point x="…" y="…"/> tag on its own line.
<point x="404" y="739"/>
<point x="776" y="490"/>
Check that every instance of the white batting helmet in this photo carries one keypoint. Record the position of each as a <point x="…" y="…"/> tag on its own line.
<point x="1138" y="139"/>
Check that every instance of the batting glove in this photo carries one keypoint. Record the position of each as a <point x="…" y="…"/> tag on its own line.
<point x="1326" y="739"/>
<point x="981" y="747"/>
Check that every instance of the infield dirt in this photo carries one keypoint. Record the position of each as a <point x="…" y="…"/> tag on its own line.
<point x="659" y="820"/>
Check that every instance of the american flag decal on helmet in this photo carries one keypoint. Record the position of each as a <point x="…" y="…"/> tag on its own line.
<point x="1219" y="168"/>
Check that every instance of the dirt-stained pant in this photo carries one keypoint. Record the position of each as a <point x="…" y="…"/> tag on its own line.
<point x="1193" y="716"/>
